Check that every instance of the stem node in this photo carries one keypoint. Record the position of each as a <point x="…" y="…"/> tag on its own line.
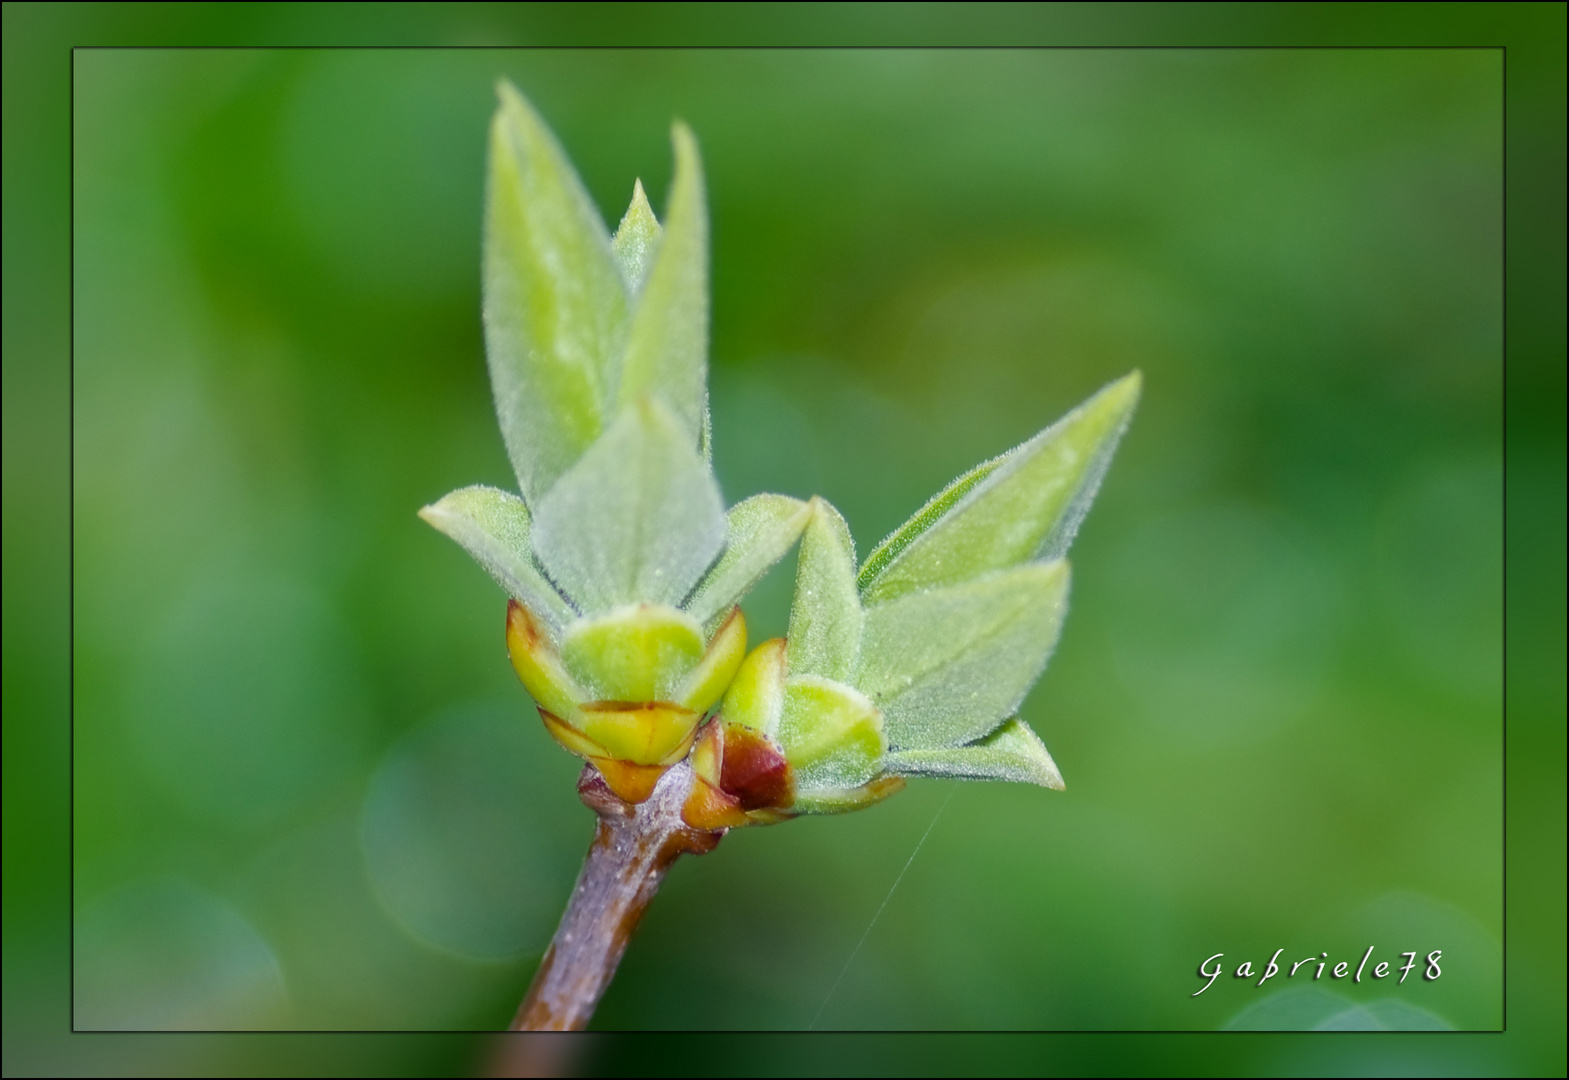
<point x="634" y="847"/>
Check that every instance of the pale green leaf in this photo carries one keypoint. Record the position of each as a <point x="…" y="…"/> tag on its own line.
<point x="825" y="616"/>
<point x="637" y="520"/>
<point x="1024" y="505"/>
<point x="556" y="306"/>
<point x="1012" y="752"/>
<point x="635" y="239"/>
<point x="831" y="733"/>
<point x="829" y="801"/>
<point x="667" y="347"/>
<point x="845" y="800"/>
<point x="923" y="519"/>
<point x="493" y="526"/>
<point x="755" y="697"/>
<point x="635" y="653"/>
<point x="946" y="666"/>
<point x="762" y="530"/>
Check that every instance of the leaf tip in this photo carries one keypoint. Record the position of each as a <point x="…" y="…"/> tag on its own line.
<point x="511" y="99"/>
<point x="636" y="238"/>
<point x="689" y="164"/>
<point x="1042" y="766"/>
<point x="1047" y="775"/>
<point x="1106" y="414"/>
<point x="639" y="199"/>
<point x="438" y="515"/>
<point x="681" y="136"/>
<point x="1124" y="393"/>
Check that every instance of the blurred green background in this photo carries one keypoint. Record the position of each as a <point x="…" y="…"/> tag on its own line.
<point x="308" y="792"/>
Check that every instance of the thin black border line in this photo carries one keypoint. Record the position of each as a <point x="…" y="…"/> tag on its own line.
<point x="1503" y="51"/>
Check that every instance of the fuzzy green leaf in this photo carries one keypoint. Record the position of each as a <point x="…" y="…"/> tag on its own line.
<point x="762" y="530"/>
<point x="825" y="616"/>
<point x="1012" y="752"/>
<point x="1024" y="505"/>
<point x="830" y="733"/>
<point x="829" y="801"/>
<point x="922" y="520"/>
<point x="635" y="239"/>
<point x="494" y="527"/>
<point x="637" y="520"/>
<point x="556" y="307"/>
<point x="820" y="800"/>
<point x="946" y="666"/>
<point x="755" y="698"/>
<point x="639" y="653"/>
<point x="667" y="347"/>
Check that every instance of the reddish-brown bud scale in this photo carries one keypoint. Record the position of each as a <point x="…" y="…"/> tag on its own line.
<point x="754" y="771"/>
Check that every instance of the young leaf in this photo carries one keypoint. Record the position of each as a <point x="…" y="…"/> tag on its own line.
<point x="825" y="616"/>
<point x="556" y="307"/>
<point x="844" y="800"/>
<point x="635" y="653"/>
<point x="755" y="697"/>
<point x="635" y="239"/>
<point x="637" y="519"/>
<point x="1012" y="752"/>
<point x="923" y="519"/>
<point x="705" y="684"/>
<point x="946" y="666"/>
<point x="762" y="530"/>
<point x="667" y="346"/>
<point x="538" y="664"/>
<point x="1024" y="505"/>
<point x="493" y="526"/>
<point x="831" y="734"/>
<point x="638" y="733"/>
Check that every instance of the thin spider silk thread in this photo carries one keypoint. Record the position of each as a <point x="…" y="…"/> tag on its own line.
<point x="857" y="950"/>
